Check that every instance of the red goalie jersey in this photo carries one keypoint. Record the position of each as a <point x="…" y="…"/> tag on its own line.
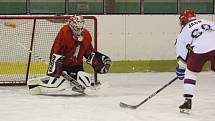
<point x="71" y="45"/>
<point x="66" y="44"/>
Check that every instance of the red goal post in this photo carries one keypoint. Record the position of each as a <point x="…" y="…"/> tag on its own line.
<point x="26" y="43"/>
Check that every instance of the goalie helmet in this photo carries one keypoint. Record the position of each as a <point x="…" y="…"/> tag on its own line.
<point x="76" y="23"/>
<point x="186" y="16"/>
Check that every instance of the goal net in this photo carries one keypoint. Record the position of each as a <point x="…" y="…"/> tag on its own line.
<point x="26" y="42"/>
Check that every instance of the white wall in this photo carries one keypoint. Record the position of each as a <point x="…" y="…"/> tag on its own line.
<point x="139" y="37"/>
<point x="122" y="37"/>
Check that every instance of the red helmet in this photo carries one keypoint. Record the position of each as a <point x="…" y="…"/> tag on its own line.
<point x="187" y="15"/>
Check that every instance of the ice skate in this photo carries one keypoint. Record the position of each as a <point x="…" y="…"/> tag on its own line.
<point x="186" y="106"/>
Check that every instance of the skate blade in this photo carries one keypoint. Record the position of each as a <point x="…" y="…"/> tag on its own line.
<point x="185" y="111"/>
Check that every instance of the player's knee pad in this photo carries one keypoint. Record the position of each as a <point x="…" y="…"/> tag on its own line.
<point x="47" y="84"/>
<point x="190" y="75"/>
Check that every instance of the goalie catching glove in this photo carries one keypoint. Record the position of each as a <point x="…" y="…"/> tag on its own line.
<point x="100" y="62"/>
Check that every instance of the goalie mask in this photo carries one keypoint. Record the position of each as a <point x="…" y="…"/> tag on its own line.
<point x="76" y="23"/>
<point x="186" y="16"/>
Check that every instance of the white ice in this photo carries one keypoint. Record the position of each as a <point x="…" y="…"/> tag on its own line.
<point x="17" y="105"/>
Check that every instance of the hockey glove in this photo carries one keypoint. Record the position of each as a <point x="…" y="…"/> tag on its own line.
<point x="100" y="62"/>
<point x="180" y="72"/>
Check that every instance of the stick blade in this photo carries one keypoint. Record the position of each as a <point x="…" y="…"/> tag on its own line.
<point x="123" y="105"/>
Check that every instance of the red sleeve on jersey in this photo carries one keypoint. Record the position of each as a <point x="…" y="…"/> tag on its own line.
<point x="66" y="45"/>
<point x="59" y="46"/>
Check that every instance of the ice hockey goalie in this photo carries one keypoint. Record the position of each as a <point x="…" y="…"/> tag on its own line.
<point x="71" y="45"/>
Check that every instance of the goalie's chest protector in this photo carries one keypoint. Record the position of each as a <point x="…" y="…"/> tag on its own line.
<point x="73" y="50"/>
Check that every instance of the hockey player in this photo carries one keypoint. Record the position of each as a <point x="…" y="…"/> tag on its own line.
<point x="65" y="70"/>
<point x="194" y="46"/>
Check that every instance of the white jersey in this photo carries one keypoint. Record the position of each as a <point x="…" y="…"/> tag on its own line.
<point x="199" y="35"/>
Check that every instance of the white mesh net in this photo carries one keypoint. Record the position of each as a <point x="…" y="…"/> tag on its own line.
<point x="16" y="36"/>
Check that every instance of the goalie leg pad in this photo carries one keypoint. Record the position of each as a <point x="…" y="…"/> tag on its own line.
<point x="85" y="79"/>
<point x="47" y="84"/>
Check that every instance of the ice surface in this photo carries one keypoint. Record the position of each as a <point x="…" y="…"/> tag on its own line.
<point x="17" y="105"/>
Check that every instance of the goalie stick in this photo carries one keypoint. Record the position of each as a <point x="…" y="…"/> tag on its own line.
<point x="64" y="74"/>
<point x="124" y="105"/>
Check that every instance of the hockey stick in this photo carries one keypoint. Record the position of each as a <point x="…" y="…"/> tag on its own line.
<point x="64" y="74"/>
<point x="124" y="105"/>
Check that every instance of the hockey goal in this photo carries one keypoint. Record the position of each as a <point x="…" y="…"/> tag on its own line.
<point x="26" y="42"/>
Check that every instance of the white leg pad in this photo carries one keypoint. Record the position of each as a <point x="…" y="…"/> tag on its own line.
<point x="85" y="79"/>
<point x="47" y="84"/>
